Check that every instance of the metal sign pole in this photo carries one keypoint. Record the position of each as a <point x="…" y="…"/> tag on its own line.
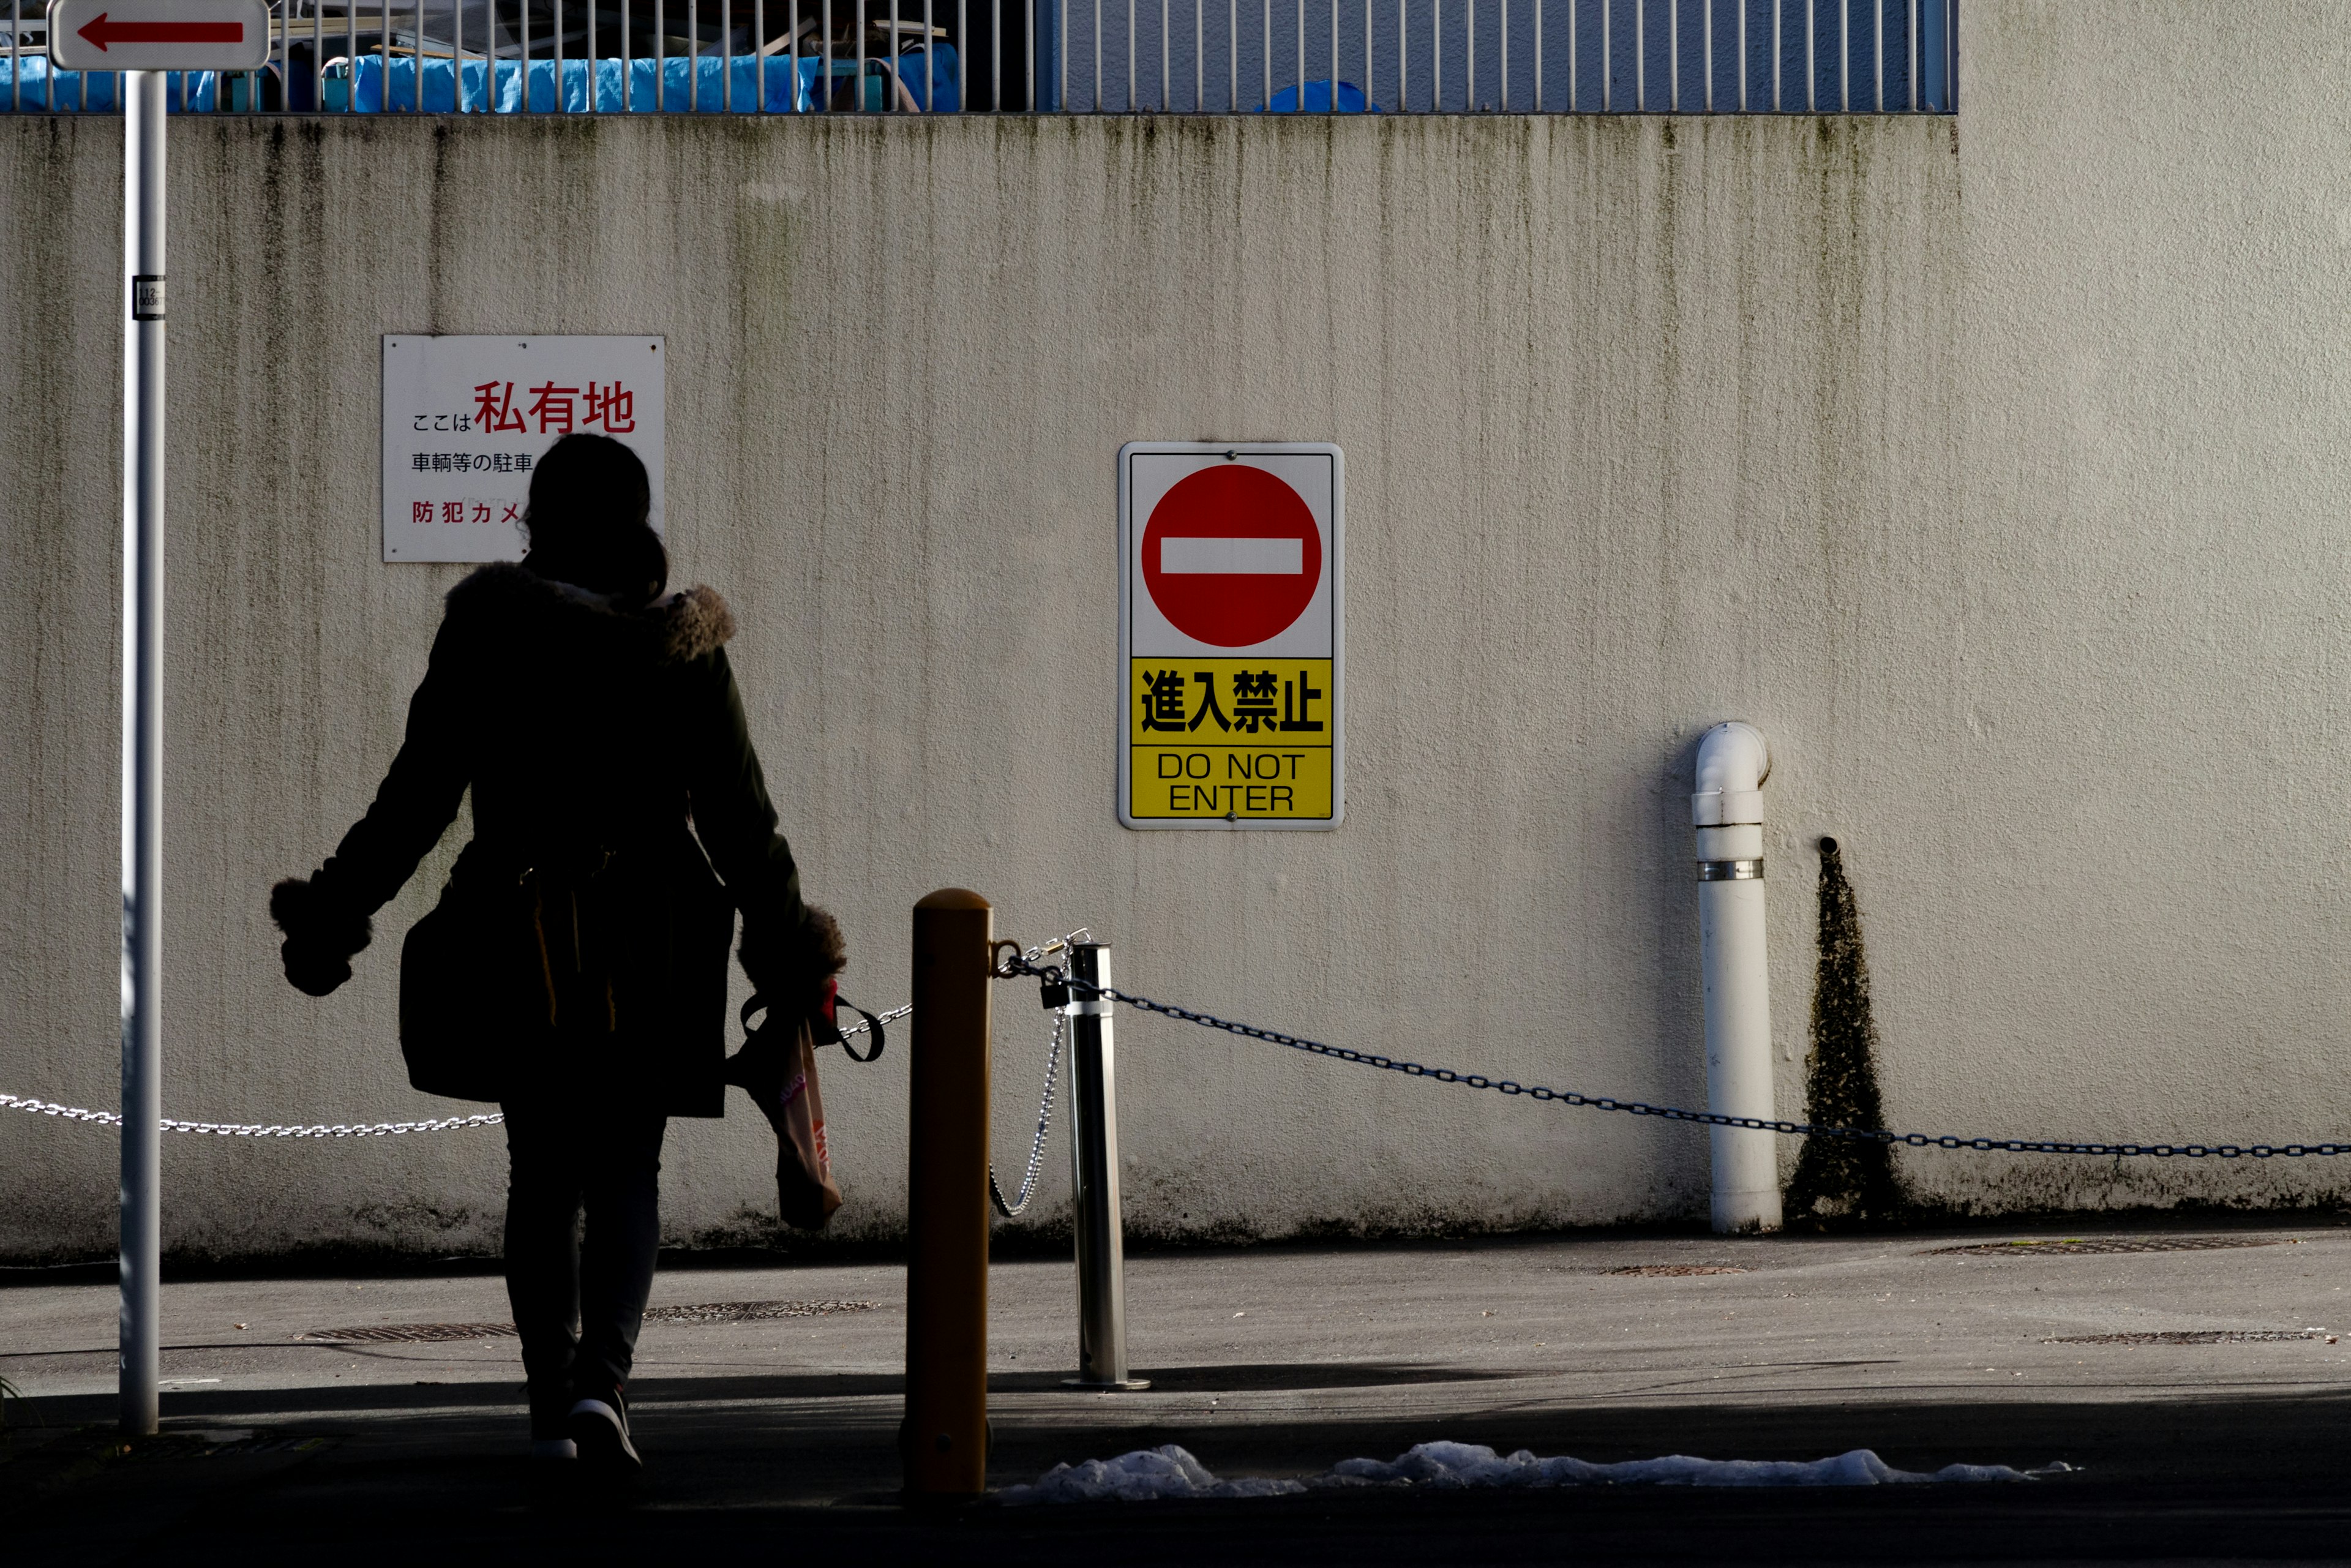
<point x="143" y="744"/>
<point x="144" y="39"/>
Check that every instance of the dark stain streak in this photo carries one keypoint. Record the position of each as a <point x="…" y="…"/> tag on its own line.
<point x="1840" y="1179"/>
<point x="435" y="219"/>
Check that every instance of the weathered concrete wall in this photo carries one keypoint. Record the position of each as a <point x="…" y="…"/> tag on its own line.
<point x="1986" y="465"/>
<point x="2105" y="895"/>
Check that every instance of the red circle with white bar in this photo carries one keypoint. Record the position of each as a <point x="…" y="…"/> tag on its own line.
<point x="1231" y="556"/>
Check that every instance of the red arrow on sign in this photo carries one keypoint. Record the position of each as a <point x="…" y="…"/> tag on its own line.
<point x="102" y="32"/>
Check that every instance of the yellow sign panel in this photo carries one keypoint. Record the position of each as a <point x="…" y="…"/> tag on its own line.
<point x="1231" y="739"/>
<point x="1232" y="632"/>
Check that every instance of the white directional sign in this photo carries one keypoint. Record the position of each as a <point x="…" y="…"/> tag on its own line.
<point x="158" y="35"/>
<point x="1232" y="633"/>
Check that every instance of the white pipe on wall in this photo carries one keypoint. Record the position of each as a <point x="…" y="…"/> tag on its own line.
<point x="1728" y="810"/>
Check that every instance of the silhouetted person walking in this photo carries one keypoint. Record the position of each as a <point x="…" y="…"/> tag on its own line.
<point x="575" y="970"/>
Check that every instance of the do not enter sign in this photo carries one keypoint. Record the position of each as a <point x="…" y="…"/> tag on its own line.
<point x="1231" y="634"/>
<point x="1231" y="556"/>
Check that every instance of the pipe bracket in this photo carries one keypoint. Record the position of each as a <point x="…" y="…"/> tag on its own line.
<point x="1730" y="871"/>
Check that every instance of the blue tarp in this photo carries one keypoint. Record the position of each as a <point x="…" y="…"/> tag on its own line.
<point x="1318" y="100"/>
<point x="681" y="84"/>
<point x="717" y="85"/>
<point x="182" y="89"/>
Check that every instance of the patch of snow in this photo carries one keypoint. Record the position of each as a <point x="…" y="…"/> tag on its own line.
<point x="1151" y="1475"/>
<point x="1146" y="1475"/>
<point x="1454" y="1464"/>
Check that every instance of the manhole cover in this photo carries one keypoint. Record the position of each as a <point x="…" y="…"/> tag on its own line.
<point x="204" y="1445"/>
<point x="701" y="1313"/>
<point x="409" y="1333"/>
<point x="750" y="1311"/>
<point x="2198" y="1336"/>
<point x="1677" y="1271"/>
<point x="2111" y="1244"/>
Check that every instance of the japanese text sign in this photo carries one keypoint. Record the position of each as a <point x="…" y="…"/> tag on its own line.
<point x="1231" y="634"/>
<point x="466" y="419"/>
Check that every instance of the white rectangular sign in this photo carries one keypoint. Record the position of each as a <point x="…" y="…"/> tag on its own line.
<point x="465" y="419"/>
<point x="1232" y="634"/>
<point x="158" y="35"/>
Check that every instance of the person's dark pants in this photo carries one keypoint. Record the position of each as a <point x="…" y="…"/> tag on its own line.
<point x="578" y="1302"/>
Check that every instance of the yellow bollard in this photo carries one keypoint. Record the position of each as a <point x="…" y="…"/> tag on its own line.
<point x="944" y="1438"/>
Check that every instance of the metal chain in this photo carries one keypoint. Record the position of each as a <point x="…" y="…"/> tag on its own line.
<point x="893" y="1016"/>
<point x="454" y="1123"/>
<point x="1027" y="967"/>
<point x="1045" y="1105"/>
<point x="1057" y="944"/>
<point x="256" y="1130"/>
<point x="1044" y="1120"/>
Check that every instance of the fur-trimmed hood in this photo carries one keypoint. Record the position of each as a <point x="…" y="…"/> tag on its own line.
<point x="679" y="626"/>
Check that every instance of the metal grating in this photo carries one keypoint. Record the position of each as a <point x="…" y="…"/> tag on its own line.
<point x="1674" y="1270"/>
<point x="409" y="1333"/>
<point x="750" y="1311"/>
<point x="787" y="58"/>
<point x="2198" y="1336"/>
<point x="700" y="1313"/>
<point x="205" y="1444"/>
<point x="2104" y="1246"/>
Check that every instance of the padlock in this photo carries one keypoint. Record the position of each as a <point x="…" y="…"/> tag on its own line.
<point x="1054" y="991"/>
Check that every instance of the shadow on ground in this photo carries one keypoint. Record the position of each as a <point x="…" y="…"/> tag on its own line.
<point x="771" y="1465"/>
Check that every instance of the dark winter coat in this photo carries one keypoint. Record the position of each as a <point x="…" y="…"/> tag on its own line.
<point x="612" y="773"/>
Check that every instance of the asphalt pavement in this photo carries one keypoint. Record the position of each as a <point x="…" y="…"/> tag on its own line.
<point x="2195" y="1382"/>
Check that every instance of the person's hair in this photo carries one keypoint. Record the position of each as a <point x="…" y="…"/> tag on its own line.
<point x="588" y="520"/>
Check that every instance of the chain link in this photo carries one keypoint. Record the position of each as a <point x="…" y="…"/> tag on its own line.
<point x="1045" y="1105"/>
<point x="893" y="1016"/>
<point x="1044" y="1120"/>
<point x="1027" y="967"/>
<point x="455" y="1123"/>
<point x="257" y="1130"/>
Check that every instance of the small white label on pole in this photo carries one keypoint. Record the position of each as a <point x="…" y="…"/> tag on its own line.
<point x="1232" y="634"/>
<point x="465" y="420"/>
<point x="158" y="35"/>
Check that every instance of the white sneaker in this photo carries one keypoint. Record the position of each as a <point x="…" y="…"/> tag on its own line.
<point x="554" y="1448"/>
<point x="601" y="1431"/>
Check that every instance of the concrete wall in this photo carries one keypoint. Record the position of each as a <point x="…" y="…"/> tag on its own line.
<point x="1987" y="464"/>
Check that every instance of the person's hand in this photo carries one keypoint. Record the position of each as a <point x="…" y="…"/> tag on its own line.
<point x="314" y="970"/>
<point x="320" y="937"/>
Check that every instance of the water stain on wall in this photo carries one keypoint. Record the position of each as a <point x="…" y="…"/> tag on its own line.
<point x="1841" y="1178"/>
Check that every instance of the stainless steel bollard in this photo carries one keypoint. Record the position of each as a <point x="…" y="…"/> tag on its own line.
<point x="1093" y="1171"/>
